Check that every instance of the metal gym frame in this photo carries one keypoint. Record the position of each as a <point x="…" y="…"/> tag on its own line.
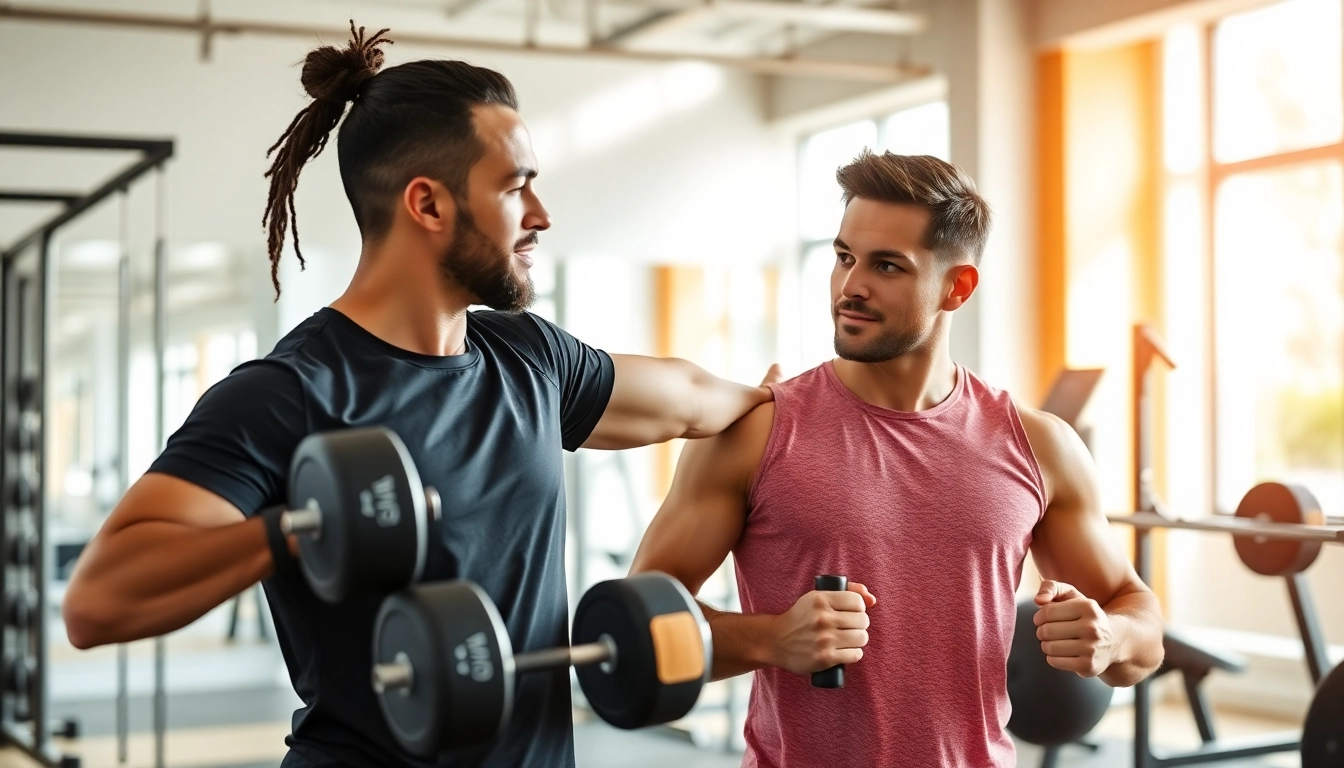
<point x="27" y="269"/>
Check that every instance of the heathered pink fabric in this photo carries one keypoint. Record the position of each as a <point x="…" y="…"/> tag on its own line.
<point x="933" y="511"/>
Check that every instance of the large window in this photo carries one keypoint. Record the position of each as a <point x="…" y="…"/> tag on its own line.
<point x="1255" y="250"/>
<point x="920" y="130"/>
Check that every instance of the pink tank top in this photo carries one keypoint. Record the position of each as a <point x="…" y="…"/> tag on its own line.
<point x="934" y="512"/>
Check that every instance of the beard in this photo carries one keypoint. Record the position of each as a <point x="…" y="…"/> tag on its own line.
<point x="889" y="344"/>
<point x="477" y="264"/>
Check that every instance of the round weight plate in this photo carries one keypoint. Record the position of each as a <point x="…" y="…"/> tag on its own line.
<point x="21" y="438"/>
<point x="1280" y="503"/>
<point x="23" y="550"/>
<point x="20" y="492"/>
<point x="27" y="392"/>
<point x="375" y="528"/>
<point x="20" y="607"/>
<point x="1323" y="731"/>
<point x="1050" y="706"/>
<point x="663" y="649"/>
<point x="19" y="673"/>
<point x="461" y="691"/>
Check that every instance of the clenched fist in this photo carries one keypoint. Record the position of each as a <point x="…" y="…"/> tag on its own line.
<point x="1074" y="631"/>
<point x="823" y="629"/>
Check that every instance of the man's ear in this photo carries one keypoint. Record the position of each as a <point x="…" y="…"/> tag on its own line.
<point x="963" y="280"/>
<point x="429" y="204"/>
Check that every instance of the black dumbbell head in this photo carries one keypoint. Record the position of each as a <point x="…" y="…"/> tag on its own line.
<point x="663" y="649"/>
<point x="375" y="526"/>
<point x="461" y="690"/>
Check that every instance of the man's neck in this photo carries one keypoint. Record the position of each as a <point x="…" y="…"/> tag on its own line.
<point x="913" y="382"/>
<point x="407" y="303"/>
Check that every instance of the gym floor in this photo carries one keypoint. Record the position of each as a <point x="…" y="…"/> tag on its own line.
<point x="246" y="728"/>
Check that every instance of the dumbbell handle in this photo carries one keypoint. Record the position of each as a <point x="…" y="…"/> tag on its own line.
<point x="400" y="675"/>
<point x="603" y="651"/>
<point x="308" y="520"/>
<point x="835" y="676"/>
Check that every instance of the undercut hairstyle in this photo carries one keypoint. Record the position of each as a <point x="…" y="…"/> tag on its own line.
<point x="959" y="218"/>
<point x="410" y="120"/>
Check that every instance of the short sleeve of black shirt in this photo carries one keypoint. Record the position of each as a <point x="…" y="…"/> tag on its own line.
<point x="240" y="436"/>
<point x="584" y="375"/>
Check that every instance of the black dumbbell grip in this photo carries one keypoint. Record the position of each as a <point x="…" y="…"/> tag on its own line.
<point x="602" y="651"/>
<point x="835" y="676"/>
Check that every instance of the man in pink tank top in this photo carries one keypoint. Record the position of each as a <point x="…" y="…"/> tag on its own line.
<point x="899" y="468"/>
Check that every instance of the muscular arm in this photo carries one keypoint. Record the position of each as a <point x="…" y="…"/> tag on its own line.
<point x="656" y="399"/>
<point x="1121" y="638"/>
<point x="169" y="552"/>
<point x="699" y="523"/>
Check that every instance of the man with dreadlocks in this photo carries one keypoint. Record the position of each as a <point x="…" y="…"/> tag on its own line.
<point x="438" y="168"/>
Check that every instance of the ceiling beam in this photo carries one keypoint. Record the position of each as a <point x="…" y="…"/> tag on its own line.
<point x="791" y="67"/>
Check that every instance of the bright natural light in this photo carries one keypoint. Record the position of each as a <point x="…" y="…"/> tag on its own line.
<point x="1280" y="331"/>
<point x="1277" y="79"/>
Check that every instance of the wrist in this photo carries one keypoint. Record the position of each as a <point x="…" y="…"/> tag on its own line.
<point x="765" y="652"/>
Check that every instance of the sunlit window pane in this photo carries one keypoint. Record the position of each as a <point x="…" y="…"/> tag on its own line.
<point x="1182" y="99"/>
<point x="817" y="333"/>
<point x="921" y="130"/>
<point x="819" y="206"/>
<point x="1277" y="79"/>
<point x="1279" y="331"/>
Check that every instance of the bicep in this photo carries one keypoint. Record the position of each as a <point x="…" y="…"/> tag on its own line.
<point x="1074" y="542"/>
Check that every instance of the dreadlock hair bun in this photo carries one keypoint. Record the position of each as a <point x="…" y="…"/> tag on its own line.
<point x="334" y="75"/>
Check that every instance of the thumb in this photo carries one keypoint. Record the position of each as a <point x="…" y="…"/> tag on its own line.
<point x="1055" y="591"/>
<point x="772" y="376"/>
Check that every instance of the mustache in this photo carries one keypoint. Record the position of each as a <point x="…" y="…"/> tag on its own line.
<point x="858" y="308"/>
<point x="531" y="239"/>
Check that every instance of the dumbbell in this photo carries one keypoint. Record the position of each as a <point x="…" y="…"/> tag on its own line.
<point x="835" y="676"/>
<point x="445" y="668"/>
<point x="359" y="511"/>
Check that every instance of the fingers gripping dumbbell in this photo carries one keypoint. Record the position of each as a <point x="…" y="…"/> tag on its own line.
<point x="444" y="666"/>
<point x="359" y="511"/>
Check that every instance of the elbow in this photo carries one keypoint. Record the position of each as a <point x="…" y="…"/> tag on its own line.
<point x="88" y="623"/>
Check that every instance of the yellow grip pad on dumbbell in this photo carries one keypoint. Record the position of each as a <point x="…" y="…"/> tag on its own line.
<point x="678" y="646"/>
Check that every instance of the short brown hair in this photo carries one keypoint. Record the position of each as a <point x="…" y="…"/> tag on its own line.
<point x="959" y="224"/>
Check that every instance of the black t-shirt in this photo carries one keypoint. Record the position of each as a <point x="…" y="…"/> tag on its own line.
<point x="485" y="428"/>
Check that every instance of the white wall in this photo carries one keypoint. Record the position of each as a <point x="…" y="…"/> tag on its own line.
<point x="639" y="162"/>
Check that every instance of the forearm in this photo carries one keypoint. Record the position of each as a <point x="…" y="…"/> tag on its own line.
<point x="155" y="577"/>
<point x="743" y="642"/>
<point x="717" y="403"/>
<point x="1136" y="619"/>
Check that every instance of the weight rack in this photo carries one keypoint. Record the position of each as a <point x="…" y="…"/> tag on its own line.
<point x="27" y="268"/>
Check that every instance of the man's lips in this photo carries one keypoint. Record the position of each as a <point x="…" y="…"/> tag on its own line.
<point x="855" y="316"/>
